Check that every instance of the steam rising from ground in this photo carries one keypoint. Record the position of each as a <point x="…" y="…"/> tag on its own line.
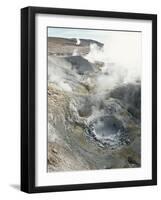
<point x="78" y="41"/>
<point x="56" y="72"/>
<point x="121" y="55"/>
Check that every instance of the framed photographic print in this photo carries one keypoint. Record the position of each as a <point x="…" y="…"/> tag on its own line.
<point x="88" y="99"/>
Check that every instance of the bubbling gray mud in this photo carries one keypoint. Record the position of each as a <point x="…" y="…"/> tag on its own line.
<point x="108" y="131"/>
<point x="92" y="124"/>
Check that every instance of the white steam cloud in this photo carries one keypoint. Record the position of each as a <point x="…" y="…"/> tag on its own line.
<point x="78" y="41"/>
<point x="56" y="72"/>
<point x="121" y="55"/>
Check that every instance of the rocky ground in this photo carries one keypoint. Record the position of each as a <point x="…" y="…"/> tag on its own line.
<point x="89" y="128"/>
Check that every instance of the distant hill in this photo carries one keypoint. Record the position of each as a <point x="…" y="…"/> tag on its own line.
<point x="65" y="46"/>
